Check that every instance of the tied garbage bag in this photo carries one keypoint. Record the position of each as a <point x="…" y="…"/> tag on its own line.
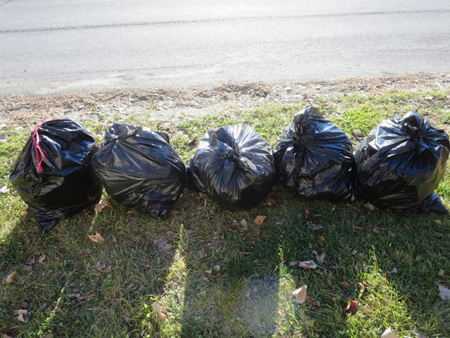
<point x="401" y="162"/>
<point x="53" y="174"/>
<point x="234" y="166"/>
<point x="139" y="169"/>
<point x="314" y="158"/>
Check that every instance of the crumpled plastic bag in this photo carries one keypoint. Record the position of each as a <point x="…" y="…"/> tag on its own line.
<point x="314" y="158"/>
<point x="234" y="166"/>
<point x="400" y="163"/>
<point x="53" y="172"/>
<point x="140" y="169"/>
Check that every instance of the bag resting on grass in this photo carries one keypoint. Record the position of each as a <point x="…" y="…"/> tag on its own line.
<point x="53" y="172"/>
<point x="314" y="158"/>
<point x="400" y="163"/>
<point x="140" y="169"/>
<point x="234" y="166"/>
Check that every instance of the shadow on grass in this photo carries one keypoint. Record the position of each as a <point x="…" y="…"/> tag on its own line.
<point x="222" y="278"/>
<point x="74" y="287"/>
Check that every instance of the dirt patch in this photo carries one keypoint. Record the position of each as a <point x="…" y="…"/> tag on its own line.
<point x="174" y="103"/>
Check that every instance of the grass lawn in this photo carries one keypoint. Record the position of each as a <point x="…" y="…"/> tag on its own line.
<point x="208" y="272"/>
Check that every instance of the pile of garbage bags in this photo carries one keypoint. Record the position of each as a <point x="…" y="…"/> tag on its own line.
<point x="234" y="166"/>
<point x="61" y="170"/>
<point x="139" y="169"/>
<point x="53" y="173"/>
<point x="401" y="162"/>
<point x="314" y="158"/>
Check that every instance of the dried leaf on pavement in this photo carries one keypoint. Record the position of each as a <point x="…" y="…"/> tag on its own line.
<point x="300" y="294"/>
<point x="97" y="238"/>
<point x="308" y="265"/>
<point x="260" y="219"/>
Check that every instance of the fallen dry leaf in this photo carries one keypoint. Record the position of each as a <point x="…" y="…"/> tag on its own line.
<point x="101" y="268"/>
<point x="321" y="238"/>
<point x="314" y="226"/>
<point x="8" y="333"/>
<point x="22" y="315"/>
<point x="270" y="201"/>
<point x="158" y="310"/>
<point x="307" y="265"/>
<point x="259" y="220"/>
<point x="444" y="292"/>
<point x="4" y="189"/>
<point x="245" y="253"/>
<point x="10" y="278"/>
<point x="346" y="284"/>
<point x="101" y="205"/>
<point x="388" y="334"/>
<point x="205" y="279"/>
<point x="300" y="294"/>
<point x="208" y="272"/>
<point x="41" y="259"/>
<point x="361" y="286"/>
<point x="359" y="229"/>
<point x="192" y="142"/>
<point x="97" y="238"/>
<point x="243" y="223"/>
<point x="438" y="235"/>
<point x="438" y="221"/>
<point x="352" y="307"/>
<point x="441" y="273"/>
<point x="162" y="244"/>
<point x="321" y="258"/>
<point x="307" y="213"/>
<point x="369" y="206"/>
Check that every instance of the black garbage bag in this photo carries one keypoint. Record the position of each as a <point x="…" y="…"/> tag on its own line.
<point x="139" y="169"/>
<point x="53" y="173"/>
<point x="234" y="166"/>
<point x="401" y="162"/>
<point x="314" y="159"/>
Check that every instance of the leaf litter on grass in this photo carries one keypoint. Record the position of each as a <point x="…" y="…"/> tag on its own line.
<point x="257" y="250"/>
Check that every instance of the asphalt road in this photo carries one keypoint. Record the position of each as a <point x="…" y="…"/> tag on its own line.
<point x="50" y="46"/>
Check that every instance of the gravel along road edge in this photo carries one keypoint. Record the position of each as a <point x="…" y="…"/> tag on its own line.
<point x="177" y="103"/>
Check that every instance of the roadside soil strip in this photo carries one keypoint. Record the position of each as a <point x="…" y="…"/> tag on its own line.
<point x="173" y="103"/>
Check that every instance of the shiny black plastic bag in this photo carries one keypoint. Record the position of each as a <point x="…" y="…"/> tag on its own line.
<point x="140" y="169"/>
<point x="314" y="158"/>
<point x="401" y="162"/>
<point x="234" y="166"/>
<point x="53" y="174"/>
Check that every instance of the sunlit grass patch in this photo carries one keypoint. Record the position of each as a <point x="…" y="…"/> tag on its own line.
<point x="220" y="278"/>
